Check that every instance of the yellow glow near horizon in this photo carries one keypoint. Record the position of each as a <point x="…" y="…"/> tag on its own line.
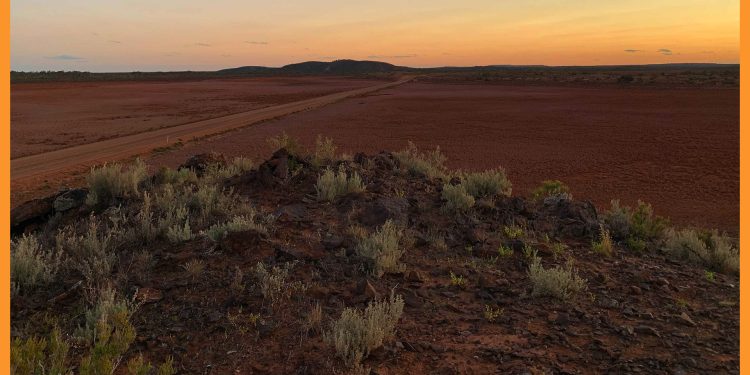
<point x="199" y="35"/>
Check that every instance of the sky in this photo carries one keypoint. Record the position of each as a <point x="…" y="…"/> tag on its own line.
<point x="161" y="35"/>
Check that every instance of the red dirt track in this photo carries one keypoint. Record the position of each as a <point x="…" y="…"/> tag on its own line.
<point x="51" y="116"/>
<point x="675" y="148"/>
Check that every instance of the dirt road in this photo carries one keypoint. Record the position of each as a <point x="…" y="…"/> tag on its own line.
<point x="119" y="148"/>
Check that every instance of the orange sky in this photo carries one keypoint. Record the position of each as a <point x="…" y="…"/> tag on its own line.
<point x="202" y="35"/>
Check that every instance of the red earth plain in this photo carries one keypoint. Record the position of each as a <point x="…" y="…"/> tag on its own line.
<point x="676" y="148"/>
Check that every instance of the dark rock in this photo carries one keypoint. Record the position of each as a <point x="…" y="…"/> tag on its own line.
<point x="291" y="213"/>
<point x="382" y="209"/>
<point x="365" y="288"/>
<point x="241" y="241"/>
<point x="33" y="210"/>
<point x="635" y="290"/>
<point x="70" y="199"/>
<point x="646" y="330"/>
<point x="298" y="253"/>
<point x="568" y="218"/>
<point x="332" y="242"/>
<point x="198" y="163"/>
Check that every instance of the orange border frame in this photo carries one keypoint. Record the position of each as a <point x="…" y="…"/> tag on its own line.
<point x="5" y="181"/>
<point x="5" y="200"/>
<point x="744" y="179"/>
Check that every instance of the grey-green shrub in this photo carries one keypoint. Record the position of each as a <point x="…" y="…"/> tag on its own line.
<point x="237" y="224"/>
<point x="456" y="198"/>
<point x="709" y="249"/>
<point x="430" y="164"/>
<point x="383" y="248"/>
<point x="559" y="282"/>
<point x="33" y="355"/>
<point x="325" y="150"/>
<point x="550" y="188"/>
<point x="488" y="183"/>
<point x="332" y="184"/>
<point x="31" y="265"/>
<point x="356" y="333"/>
<point x="114" y="181"/>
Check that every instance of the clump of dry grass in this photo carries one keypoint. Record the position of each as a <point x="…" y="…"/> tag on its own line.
<point x="550" y="188"/>
<point x="383" y="248"/>
<point x="325" y="151"/>
<point x="604" y="246"/>
<point x="31" y="265"/>
<point x="283" y="140"/>
<point x="559" y="282"/>
<point x="456" y="198"/>
<point x="707" y="248"/>
<point x="114" y="181"/>
<point x="430" y="163"/>
<point x="356" y="333"/>
<point x="486" y="184"/>
<point x="332" y="184"/>
<point x="273" y="283"/>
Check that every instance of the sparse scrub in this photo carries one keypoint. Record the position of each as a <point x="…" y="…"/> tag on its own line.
<point x="91" y="254"/>
<point x="313" y="319"/>
<point x="114" y="181"/>
<point x="604" y="246"/>
<point x="430" y="164"/>
<point x="637" y="226"/>
<point x="283" y="140"/>
<point x="237" y="224"/>
<point x="710" y="249"/>
<point x="34" y="356"/>
<point x="492" y="314"/>
<point x="108" y="332"/>
<point x="457" y="280"/>
<point x="31" y="265"/>
<point x="486" y="184"/>
<point x="559" y="282"/>
<point x="456" y="198"/>
<point x="504" y="251"/>
<point x="513" y="232"/>
<point x="273" y="284"/>
<point x="355" y="334"/>
<point x="194" y="268"/>
<point x="179" y="233"/>
<point x="383" y="248"/>
<point x="332" y="184"/>
<point x="137" y="366"/>
<point x="550" y="188"/>
<point x="325" y="151"/>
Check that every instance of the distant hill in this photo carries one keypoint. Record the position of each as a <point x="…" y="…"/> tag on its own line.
<point x="247" y="70"/>
<point x="340" y="67"/>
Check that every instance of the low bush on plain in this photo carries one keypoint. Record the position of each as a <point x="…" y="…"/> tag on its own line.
<point x="550" y="188"/>
<point x="332" y="184"/>
<point x="708" y="248"/>
<point x="383" y="248"/>
<point x="558" y="282"/>
<point x="33" y="355"/>
<point x="604" y="246"/>
<point x="31" y="265"/>
<point x="636" y="226"/>
<point x="486" y="184"/>
<point x="430" y="163"/>
<point x="273" y="284"/>
<point x="357" y="333"/>
<point x="325" y="151"/>
<point x="114" y="181"/>
<point x="283" y="140"/>
<point x="456" y="198"/>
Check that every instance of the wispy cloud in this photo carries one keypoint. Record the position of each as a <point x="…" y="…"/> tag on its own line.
<point x="256" y="42"/>
<point x="115" y="41"/>
<point x="66" y="58"/>
<point x="664" y="51"/>
<point x="632" y="50"/>
<point x="391" y="56"/>
<point x="202" y="44"/>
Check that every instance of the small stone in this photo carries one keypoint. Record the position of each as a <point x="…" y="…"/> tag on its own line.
<point x="364" y="287"/>
<point x="148" y="295"/>
<point x="635" y="290"/>
<point x="646" y="330"/>
<point x="687" y="320"/>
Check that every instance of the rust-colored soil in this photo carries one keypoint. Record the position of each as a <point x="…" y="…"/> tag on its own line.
<point x="675" y="148"/>
<point x="50" y="116"/>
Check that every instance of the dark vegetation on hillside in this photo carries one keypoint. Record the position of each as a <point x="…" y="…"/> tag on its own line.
<point x="313" y="263"/>
<point x="712" y="75"/>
